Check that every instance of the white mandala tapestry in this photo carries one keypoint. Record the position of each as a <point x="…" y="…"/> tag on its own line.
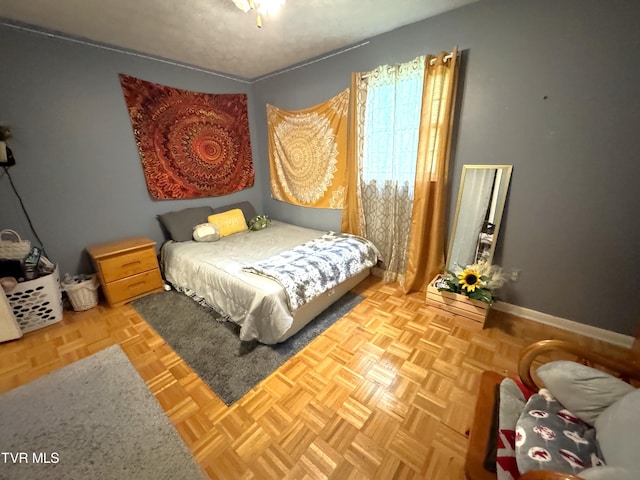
<point x="307" y="153"/>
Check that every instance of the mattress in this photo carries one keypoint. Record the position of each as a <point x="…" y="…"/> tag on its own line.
<point x="212" y="272"/>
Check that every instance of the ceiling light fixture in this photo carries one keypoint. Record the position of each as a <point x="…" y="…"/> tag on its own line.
<point x="261" y="7"/>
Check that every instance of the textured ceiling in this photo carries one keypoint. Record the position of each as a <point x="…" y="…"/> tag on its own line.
<point x="215" y="35"/>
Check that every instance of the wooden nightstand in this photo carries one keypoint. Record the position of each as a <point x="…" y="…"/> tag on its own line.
<point x="127" y="269"/>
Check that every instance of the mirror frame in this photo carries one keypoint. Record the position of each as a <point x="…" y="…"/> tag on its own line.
<point x="507" y="169"/>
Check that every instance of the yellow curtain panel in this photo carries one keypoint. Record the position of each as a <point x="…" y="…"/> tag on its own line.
<point x="308" y="153"/>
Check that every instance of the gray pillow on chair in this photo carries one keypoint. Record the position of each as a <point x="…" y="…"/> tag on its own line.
<point x="607" y="473"/>
<point x="584" y="391"/>
<point x="618" y="428"/>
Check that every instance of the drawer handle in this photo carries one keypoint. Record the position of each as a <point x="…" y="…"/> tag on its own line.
<point x="137" y="284"/>
<point x="131" y="264"/>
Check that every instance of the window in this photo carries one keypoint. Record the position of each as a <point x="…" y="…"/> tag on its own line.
<point x="391" y="122"/>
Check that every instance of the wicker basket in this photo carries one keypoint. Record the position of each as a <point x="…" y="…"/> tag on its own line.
<point x="82" y="291"/>
<point x="12" y="247"/>
<point x="37" y="303"/>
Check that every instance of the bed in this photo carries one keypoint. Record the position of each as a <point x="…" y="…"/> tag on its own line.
<point x="231" y="275"/>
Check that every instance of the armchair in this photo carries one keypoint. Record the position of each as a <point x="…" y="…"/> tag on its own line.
<point x="605" y="398"/>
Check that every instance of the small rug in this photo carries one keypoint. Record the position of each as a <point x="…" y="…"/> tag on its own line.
<point x="95" y="419"/>
<point x="213" y="348"/>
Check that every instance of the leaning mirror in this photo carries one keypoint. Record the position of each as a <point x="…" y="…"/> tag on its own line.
<point x="481" y="199"/>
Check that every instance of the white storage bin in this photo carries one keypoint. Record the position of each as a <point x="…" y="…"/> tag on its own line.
<point x="37" y="303"/>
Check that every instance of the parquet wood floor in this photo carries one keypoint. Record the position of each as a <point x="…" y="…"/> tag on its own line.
<point x="387" y="392"/>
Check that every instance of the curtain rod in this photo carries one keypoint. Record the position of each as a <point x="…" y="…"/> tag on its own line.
<point x="446" y="58"/>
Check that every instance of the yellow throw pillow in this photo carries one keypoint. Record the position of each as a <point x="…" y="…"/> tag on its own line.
<point x="229" y="222"/>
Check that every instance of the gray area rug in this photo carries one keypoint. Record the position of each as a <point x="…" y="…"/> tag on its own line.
<point x="95" y="419"/>
<point x="213" y="348"/>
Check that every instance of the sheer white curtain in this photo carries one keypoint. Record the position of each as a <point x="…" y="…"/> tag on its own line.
<point x="398" y="156"/>
<point x="476" y="196"/>
<point x="389" y="102"/>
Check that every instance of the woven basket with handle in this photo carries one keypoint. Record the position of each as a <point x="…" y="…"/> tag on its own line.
<point x="12" y="247"/>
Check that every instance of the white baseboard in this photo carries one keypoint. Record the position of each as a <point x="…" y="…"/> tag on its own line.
<point x="580" y="328"/>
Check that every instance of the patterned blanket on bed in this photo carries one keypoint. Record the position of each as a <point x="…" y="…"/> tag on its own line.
<point x="311" y="269"/>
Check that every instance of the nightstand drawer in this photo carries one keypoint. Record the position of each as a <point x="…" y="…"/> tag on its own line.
<point x="128" y="264"/>
<point x="129" y="288"/>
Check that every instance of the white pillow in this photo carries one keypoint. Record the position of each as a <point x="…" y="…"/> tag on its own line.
<point x="617" y="431"/>
<point x="584" y="391"/>
<point x="206" y="232"/>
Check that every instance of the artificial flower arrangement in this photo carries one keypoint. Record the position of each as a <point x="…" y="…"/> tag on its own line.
<point x="478" y="281"/>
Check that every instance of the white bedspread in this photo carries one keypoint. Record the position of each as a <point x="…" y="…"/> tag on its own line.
<point x="213" y="270"/>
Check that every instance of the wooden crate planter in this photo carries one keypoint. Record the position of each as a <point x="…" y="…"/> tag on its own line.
<point x="456" y="303"/>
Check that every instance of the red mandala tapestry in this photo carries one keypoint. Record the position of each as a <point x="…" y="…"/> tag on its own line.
<point x="190" y="144"/>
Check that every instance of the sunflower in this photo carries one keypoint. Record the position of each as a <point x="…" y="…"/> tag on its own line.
<point x="470" y="279"/>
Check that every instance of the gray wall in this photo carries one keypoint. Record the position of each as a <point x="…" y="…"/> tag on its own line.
<point x="570" y="225"/>
<point x="551" y="88"/>
<point x="77" y="164"/>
